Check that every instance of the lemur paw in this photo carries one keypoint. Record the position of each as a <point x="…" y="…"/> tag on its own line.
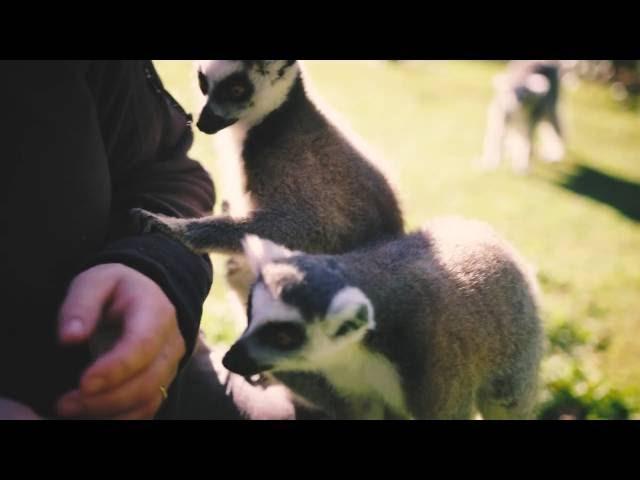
<point x="147" y="222"/>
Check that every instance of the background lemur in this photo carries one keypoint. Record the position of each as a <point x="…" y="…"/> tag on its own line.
<point x="427" y="326"/>
<point x="526" y="97"/>
<point x="308" y="187"/>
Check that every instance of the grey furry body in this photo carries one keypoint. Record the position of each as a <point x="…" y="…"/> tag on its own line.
<point x="455" y="318"/>
<point x="309" y="188"/>
<point x="455" y="312"/>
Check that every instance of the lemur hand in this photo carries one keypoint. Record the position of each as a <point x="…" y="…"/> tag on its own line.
<point x="148" y="222"/>
<point x="200" y="235"/>
<point x="124" y="382"/>
<point x="179" y="229"/>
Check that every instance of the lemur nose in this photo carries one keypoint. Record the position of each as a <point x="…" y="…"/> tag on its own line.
<point x="238" y="360"/>
<point x="211" y="123"/>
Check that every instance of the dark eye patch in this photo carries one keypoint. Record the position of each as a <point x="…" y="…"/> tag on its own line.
<point x="203" y="83"/>
<point x="227" y="90"/>
<point x="282" y="336"/>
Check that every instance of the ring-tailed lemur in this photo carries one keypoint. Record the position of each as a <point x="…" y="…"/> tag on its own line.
<point x="526" y="97"/>
<point x="308" y="186"/>
<point x="431" y="325"/>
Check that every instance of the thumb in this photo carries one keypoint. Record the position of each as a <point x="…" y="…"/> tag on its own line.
<point x="82" y="307"/>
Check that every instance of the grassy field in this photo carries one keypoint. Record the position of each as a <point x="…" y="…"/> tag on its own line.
<point x="577" y="221"/>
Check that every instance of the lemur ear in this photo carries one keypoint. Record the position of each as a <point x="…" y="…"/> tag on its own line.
<point x="355" y="322"/>
<point x="260" y="65"/>
<point x="260" y="251"/>
<point x="353" y="307"/>
<point x="287" y="64"/>
<point x="264" y="66"/>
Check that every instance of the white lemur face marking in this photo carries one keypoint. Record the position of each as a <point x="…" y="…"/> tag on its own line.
<point x="242" y="91"/>
<point x="301" y="312"/>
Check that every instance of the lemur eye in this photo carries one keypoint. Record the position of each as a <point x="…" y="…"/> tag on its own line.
<point x="283" y="339"/>
<point x="237" y="90"/>
<point x="282" y="336"/>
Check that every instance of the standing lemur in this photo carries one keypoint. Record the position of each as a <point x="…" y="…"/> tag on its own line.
<point x="308" y="186"/>
<point x="526" y="100"/>
<point x="437" y="324"/>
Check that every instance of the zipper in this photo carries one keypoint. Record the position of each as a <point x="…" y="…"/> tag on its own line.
<point x="153" y="78"/>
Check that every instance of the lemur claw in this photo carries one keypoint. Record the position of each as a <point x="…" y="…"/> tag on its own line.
<point x="147" y="222"/>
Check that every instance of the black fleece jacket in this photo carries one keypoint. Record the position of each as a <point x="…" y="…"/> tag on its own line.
<point x="84" y="142"/>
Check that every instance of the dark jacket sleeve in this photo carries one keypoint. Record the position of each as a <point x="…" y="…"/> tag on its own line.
<point x="160" y="177"/>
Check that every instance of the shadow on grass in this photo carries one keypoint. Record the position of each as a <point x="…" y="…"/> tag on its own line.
<point x="621" y="194"/>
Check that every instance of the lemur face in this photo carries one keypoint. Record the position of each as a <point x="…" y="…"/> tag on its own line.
<point x="301" y="313"/>
<point x="242" y="91"/>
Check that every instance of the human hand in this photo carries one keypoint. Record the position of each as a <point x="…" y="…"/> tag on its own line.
<point x="127" y="381"/>
<point x="12" y="410"/>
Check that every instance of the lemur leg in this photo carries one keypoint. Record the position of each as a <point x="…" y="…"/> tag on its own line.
<point x="552" y="145"/>
<point x="512" y="397"/>
<point x="202" y="235"/>
<point x="520" y="142"/>
<point x="223" y="234"/>
<point x="556" y="122"/>
<point x="238" y="272"/>
<point x="450" y="394"/>
<point x="494" y="137"/>
<point x="500" y="409"/>
<point x="239" y="276"/>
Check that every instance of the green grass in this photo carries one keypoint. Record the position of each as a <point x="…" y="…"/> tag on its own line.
<point x="576" y="221"/>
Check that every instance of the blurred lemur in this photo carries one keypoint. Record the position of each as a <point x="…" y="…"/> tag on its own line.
<point x="526" y="100"/>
